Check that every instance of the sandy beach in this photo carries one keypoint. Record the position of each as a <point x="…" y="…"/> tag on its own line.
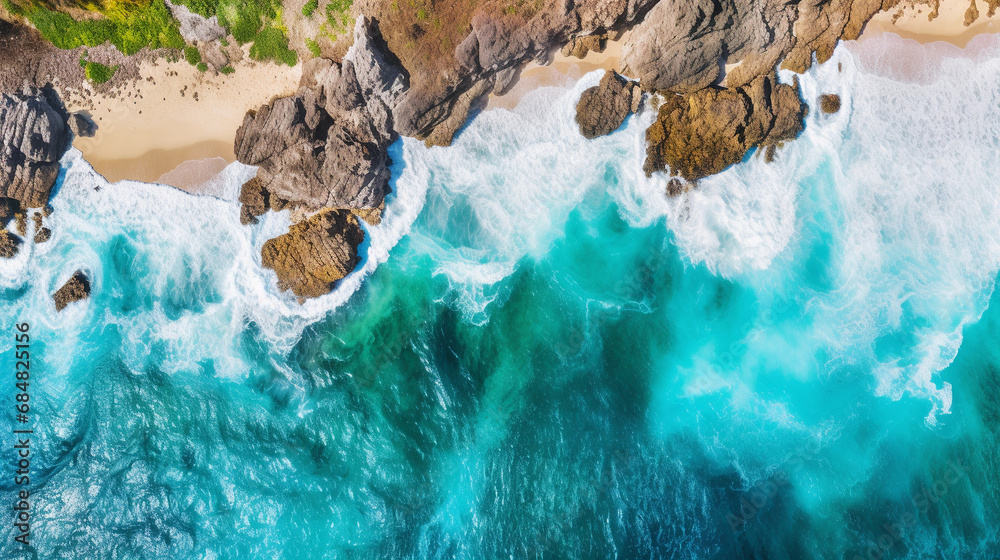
<point x="563" y="71"/>
<point x="948" y="26"/>
<point x="175" y="114"/>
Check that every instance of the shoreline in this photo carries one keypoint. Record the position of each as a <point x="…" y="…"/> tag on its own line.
<point x="159" y="135"/>
<point x="174" y="114"/>
<point x="949" y="25"/>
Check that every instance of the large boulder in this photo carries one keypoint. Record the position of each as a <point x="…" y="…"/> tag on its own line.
<point x="316" y="253"/>
<point x="604" y="107"/>
<point x="33" y="136"/>
<point x="700" y="134"/>
<point x="75" y="289"/>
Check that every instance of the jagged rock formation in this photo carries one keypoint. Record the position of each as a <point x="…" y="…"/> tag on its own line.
<point x="75" y="289"/>
<point x="829" y="103"/>
<point x="316" y="253"/>
<point x="604" y="107"/>
<point x="35" y="132"/>
<point x="702" y="133"/>
<point x="327" y="146"/>
<point x="33" y="136"/>
<point x="682" y="46"/>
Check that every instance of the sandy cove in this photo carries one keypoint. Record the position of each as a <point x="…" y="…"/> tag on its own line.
<point x="175" y="114"/>
<point x="156" y="130"/>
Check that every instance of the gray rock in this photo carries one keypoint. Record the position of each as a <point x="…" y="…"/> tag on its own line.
<point x="33" y="136"/>
<point x="82" y="125"/>
<point x="196" y="27"/>
<point x="604" y="107"/>
<point x="75" y="289"/>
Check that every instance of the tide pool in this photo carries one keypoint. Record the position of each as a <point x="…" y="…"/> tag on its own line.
<point x="541" y="355"/>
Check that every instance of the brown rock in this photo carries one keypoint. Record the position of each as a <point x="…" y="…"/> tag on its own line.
<point x="581" y="46"/>
<point x="371" y="215"/>
<point x="21" y="223"/>
<point x="315" y="254"/>
<point x="75" y="289"/>
<point x="9" y="244"/>
<point x="829" y="103"/>
<point x="703" y="133"/>
<point x="42" y="235"/>
<point x="604" y="107"/>
<point x="253" y="201"/>
<point x="972" y="14"/>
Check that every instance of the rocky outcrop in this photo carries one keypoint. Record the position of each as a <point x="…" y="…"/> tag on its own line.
<point x="683" y="46"/>
<point x="35" y="132"/>
<point x="700" y="134"/>
<point x="75" y="289"/>
<point x="604" y="107"/>
<point x="581" y="46"/>
<point x="829" y="103"/>
<point x="316" y="253"/>
<point x="327" y="146"/>
<point x="33" y="136"/>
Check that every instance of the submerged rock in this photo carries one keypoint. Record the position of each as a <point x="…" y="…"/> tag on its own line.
<point x="604" y="107"/>
<point x="75" y="289"/>
<point x="316" y="253"/>
<point x="703" y="133"/>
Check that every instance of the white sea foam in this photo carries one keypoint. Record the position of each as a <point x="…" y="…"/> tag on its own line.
<point x="902" y="180"/>
<point x="184" y="251"/>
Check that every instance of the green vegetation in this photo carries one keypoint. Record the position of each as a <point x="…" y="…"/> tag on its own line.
<point x="131" y="25"/>
<point x="314" y="47"/>
<point x="127" y="26"/>
<point x="203" y="7"/>
<point x="310" y="7"/>
<point x="202" y="67"/>
<point x="99" y="73"/>
<point x="272" y="44"/>
<point x="227" y="69"/>
<point x="192" y="55"/>
<point x="245" y="18"/>
<point x="338" y="17"/>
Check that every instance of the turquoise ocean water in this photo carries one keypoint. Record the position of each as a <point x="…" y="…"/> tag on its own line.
<point x="541" y="355"/>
